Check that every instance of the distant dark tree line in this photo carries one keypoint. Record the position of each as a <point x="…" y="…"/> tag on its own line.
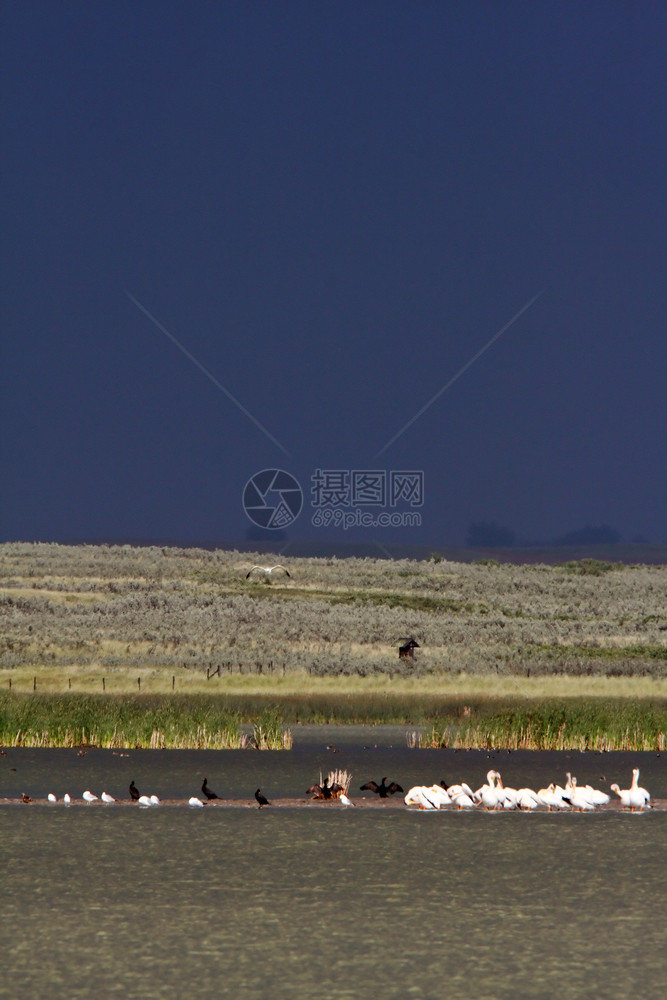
<point x="491" y="535"/>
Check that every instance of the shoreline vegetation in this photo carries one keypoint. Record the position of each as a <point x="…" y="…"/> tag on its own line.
<point x="218" y="722"/>
<point x="157" y="647"/>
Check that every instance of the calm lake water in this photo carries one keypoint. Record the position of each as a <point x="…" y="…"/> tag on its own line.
<point x="326" y="903"/>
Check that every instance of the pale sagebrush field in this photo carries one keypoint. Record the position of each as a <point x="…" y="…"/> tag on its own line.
<point x="73" y="614"/>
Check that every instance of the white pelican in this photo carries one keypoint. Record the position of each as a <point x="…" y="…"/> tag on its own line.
<point x="552" y="797"/>
<point x="634" y="797"/>
<point x="418" y="795"/>
<point x="107" y="798"/>
<point x="144" y="800"/>
<point x="267" y="570"/>
<point x="595" y="796"/>
<point x="155" y="800"/>
<point x="577" y="797"/>
<point x="343" y="799"/>
<point x="489" y="795"/>
<point x="462" y="800"/>
<point x="453" y="790"/>
<point x="625" y="795"/>
<point x="194" y="801"/>
<point x="51" y="797"/>
<point x="437" y="793"/>
<point x="413" y="795"/>
<point x="637" y="788"/>
<point x="66" y="798"/>
<point x="89" y="797"/>
<point x="506" y="796"/>
<point x="592" y="795"/>
<point x="527" y="799"/>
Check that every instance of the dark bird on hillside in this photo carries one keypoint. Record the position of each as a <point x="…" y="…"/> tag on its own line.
<point x="135" y="794"/>
<point x="325" y="790"/>
<point x="25" y="798"/>
<point x="383" y="789"/>
<point x="262" y="799"/>
<point x="208" y="792"/>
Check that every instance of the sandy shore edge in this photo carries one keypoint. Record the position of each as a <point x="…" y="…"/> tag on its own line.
<point x="658" y="805"/>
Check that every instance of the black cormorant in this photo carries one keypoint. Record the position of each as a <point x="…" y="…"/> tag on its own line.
<point x="207" y="792"/>
<point x="262" y="799"/>
<point x="383" y="790"/>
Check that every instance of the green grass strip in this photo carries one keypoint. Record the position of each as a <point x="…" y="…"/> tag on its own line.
<point x="214" y="721"/>
<point x="151" y="721"/>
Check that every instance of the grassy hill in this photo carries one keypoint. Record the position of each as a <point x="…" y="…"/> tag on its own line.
<point x="322" y="643"/>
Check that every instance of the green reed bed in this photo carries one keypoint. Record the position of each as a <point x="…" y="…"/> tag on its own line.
<point x="536" y="722"/>
<point x="581" y="724"/>
<point x="478" y="721"/>
<point x="215" y="721"/>
<point x="155" y="722"/>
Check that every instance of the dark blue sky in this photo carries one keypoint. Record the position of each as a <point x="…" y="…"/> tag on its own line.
<point x="333" y="207"/>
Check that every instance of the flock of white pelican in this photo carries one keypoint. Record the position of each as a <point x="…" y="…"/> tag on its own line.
<point x="491" y="796"/>
<point x="494" y="795"/>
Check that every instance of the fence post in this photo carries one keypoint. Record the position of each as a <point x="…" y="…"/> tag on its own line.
<point x="139" y="683"/>
<point x="173" y="682"/>
<point x="34" y="683"/>
<point x="104" y="686"/>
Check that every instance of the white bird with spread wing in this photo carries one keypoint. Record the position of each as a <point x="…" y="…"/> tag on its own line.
<point x="267" y="570"/>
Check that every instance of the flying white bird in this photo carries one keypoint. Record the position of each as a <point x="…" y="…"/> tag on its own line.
<point x="267" y="570"/>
